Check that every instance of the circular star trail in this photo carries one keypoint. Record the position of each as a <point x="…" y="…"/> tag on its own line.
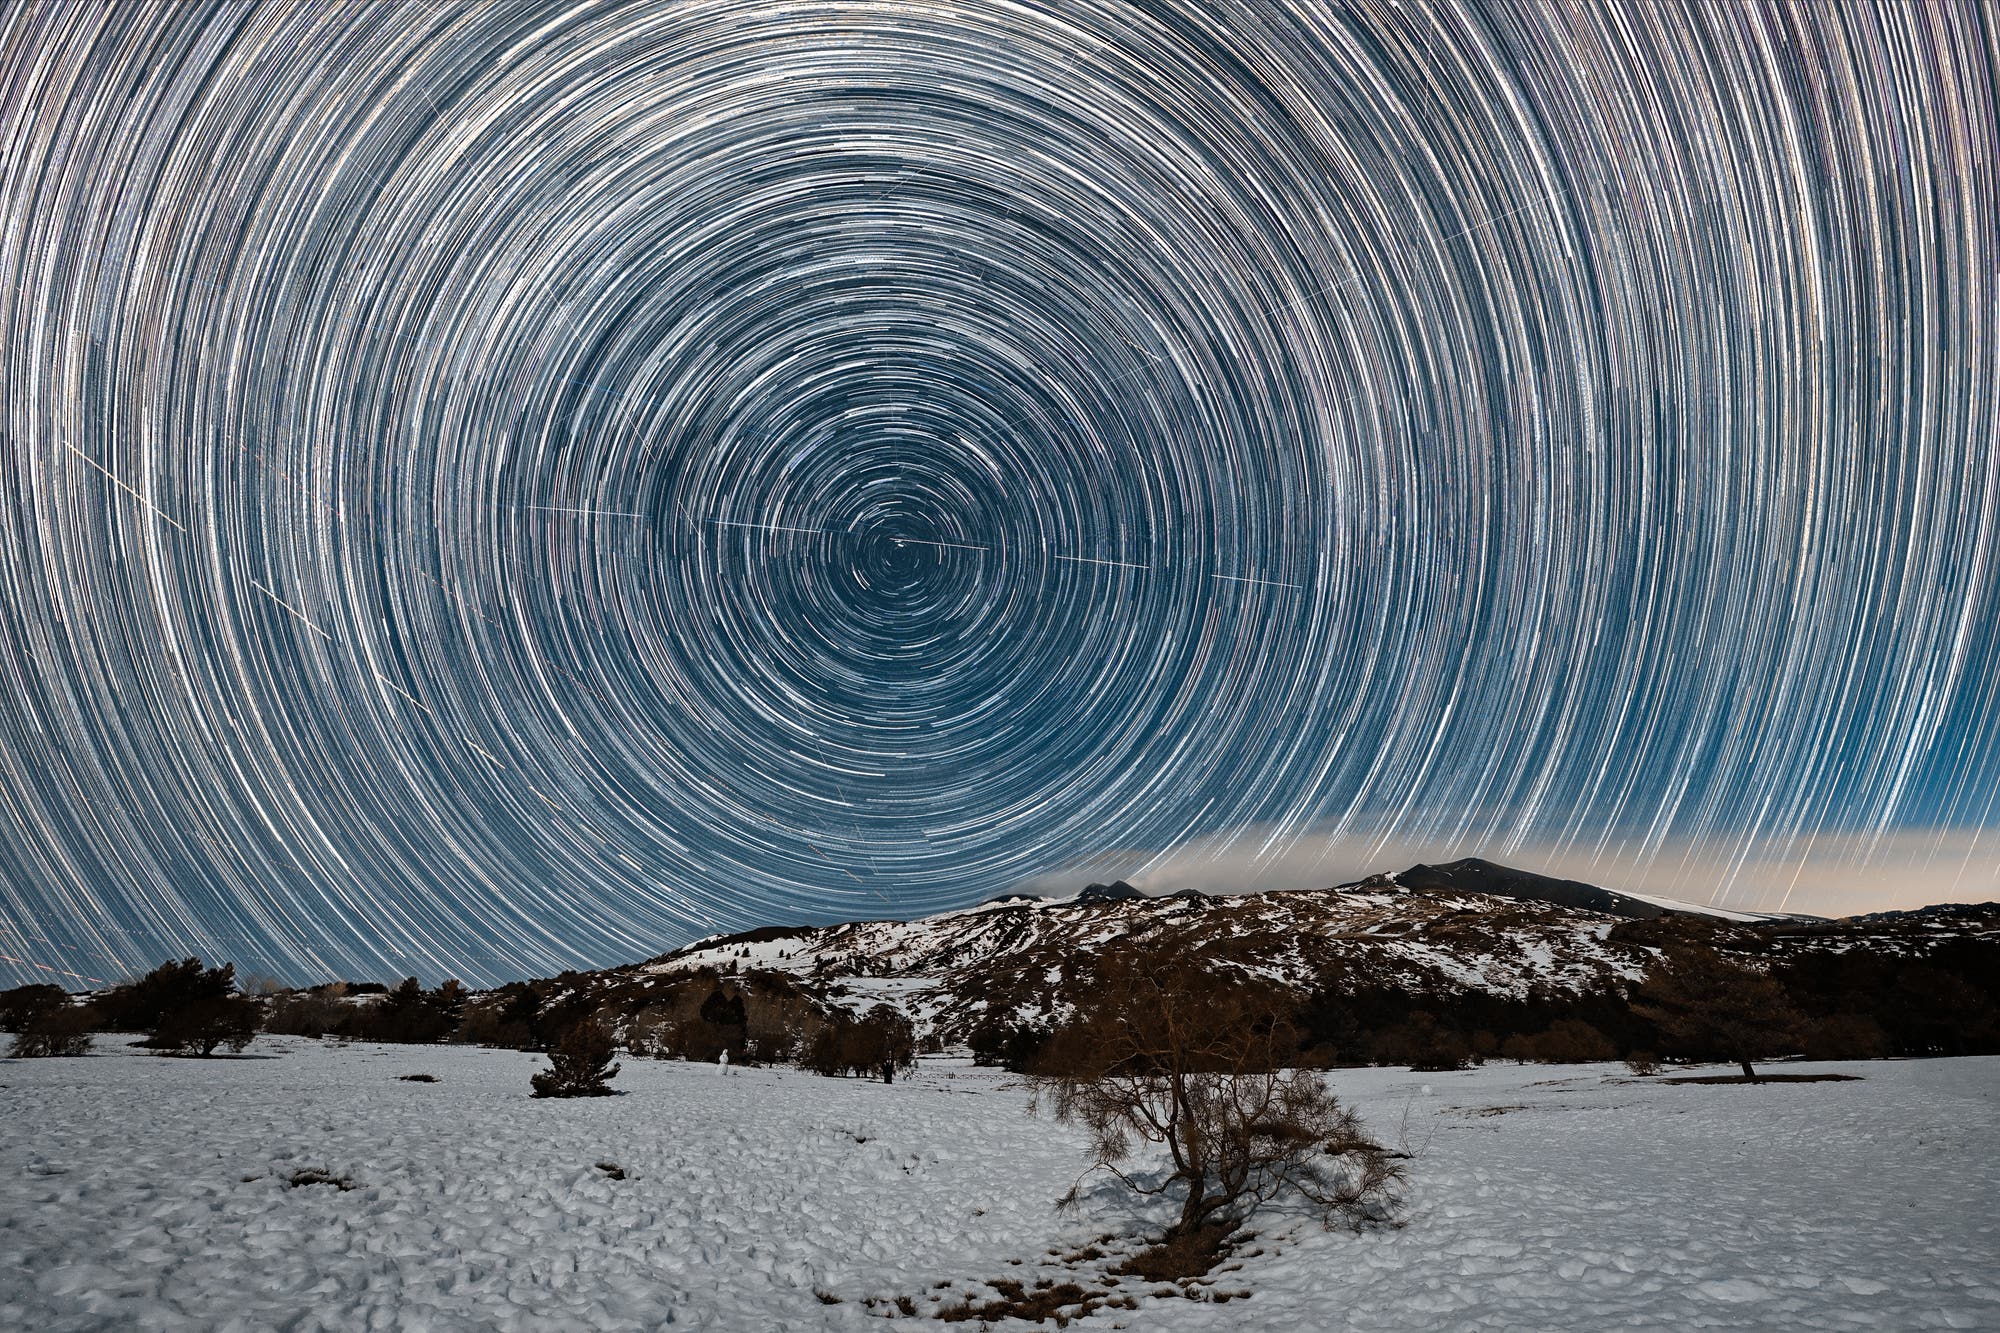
<point x="493" y="488"/>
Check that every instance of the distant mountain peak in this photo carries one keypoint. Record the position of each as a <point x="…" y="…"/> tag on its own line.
<point x="1473" y="874"/>
<point x="1118" y="891"/>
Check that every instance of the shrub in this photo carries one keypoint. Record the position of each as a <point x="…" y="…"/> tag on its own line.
<point x="1422" y="1043"/>
<point x="773" y="1049"/>
<point x="1013" y="1046"/>
<point x="186" y="1009"/>
<point x="579" y="1064"/>
<point x="827" y="1053"/>
<point x="682" y="1039"/>
<point x="1940" y="1012"/>
<point x="506" y="1017"/>
<point x="1943" y="1002"/>
<point x="725" y="1011"/>
<point x="448" y="1002"/>
<point x="63" y="1031"/>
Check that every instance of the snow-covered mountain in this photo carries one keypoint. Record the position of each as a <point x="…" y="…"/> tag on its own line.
<point x="1467" y="925"/>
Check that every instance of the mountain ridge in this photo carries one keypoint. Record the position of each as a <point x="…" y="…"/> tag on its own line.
<point x="1459" y="927"/>
<point x="1467" y="874"/>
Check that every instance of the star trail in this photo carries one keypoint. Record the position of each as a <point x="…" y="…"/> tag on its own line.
<point x="500" y="487"/>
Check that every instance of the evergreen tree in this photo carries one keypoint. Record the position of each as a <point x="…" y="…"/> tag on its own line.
<point x="1706" y="1006"/>
<point x="140" y="1006"/>
<point x="22" y="1005"/>
<point x="183" y="1007"/>
<point x="199" y="1028"/>
<point x="62" y="1030"/>
<point x="447" y="1003"/>
<point x="579" y="1064"/>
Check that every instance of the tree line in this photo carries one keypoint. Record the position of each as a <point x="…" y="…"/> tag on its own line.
<point x="1697" y="1002"/>
<point x="183" y="1007"/>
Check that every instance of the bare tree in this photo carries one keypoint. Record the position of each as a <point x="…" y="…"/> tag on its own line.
<point x="1166" y="1056"/>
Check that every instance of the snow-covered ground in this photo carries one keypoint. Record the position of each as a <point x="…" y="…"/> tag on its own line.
<point x="146" y="1193"/>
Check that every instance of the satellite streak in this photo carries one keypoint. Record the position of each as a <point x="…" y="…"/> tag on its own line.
<point x="1266" y="583"/>
<point x="1089" y="560"/>
<point x="777" y="527"/>
<point x="121" y="484"/>
<point x="303" y="618"/>
<point x="598" y="513"/>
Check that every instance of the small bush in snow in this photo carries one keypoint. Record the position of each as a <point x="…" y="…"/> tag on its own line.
<point x="579" y="1064"/>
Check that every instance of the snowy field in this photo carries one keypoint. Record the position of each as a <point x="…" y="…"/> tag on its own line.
<point x="146" y="1193"/>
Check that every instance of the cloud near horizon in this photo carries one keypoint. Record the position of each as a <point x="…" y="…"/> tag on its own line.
<point x="1830" y="875"/>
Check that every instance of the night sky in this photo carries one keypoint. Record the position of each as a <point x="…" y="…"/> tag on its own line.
<point x="497" y="487"/>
